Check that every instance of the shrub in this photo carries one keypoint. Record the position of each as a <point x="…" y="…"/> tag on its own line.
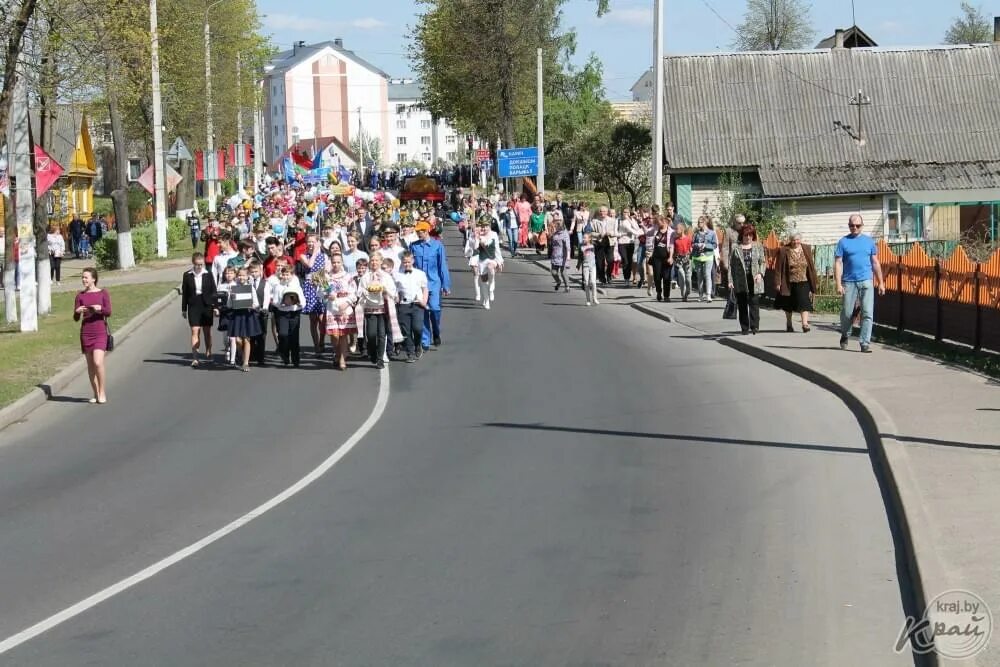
<point x="143" y="247"/>
<point x="177" y="232"/>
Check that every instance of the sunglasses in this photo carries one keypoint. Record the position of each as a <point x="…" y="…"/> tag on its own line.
<point x="853" y="226"/>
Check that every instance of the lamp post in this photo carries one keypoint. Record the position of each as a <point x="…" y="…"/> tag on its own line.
<point x="210" y="130"/>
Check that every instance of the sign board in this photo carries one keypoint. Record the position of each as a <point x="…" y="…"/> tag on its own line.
<point x="179" y="151"/>
<point x="486" y="164"/>
<point x="517" y="162"/>
<point x="482" y="154"/>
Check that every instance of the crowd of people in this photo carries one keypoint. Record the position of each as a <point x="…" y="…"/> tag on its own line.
<point x="367" y="276"/>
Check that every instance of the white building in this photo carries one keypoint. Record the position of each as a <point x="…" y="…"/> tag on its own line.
<point x="413" y="134"/>
<point x="642" y="90"/>
<point x="322" y="91"/>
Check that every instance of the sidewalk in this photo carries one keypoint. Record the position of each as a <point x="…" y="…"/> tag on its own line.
<point x="938" y="428"/>
<point x="159" y="271"/>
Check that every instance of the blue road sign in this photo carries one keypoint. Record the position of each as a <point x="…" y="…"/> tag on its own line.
<point x="517" y="162"/>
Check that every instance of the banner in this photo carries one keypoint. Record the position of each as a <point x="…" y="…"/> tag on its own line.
<point x="47" y="171"/>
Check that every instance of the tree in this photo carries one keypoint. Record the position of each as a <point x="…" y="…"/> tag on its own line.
<point x="477" y="59"/>
<point x="972" y="27"/>
<point x="616" y="156"/>
<point x="774" y="25"/>
<point x="368" y="148"/>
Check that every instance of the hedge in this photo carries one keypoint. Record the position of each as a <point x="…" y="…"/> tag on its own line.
<point x="143" y="243"/>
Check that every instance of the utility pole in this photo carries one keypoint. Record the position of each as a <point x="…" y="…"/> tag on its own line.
<point x="861" y="101"/>
<point x="240" y="151"/>
<point x="361" y="145"/>
<point x="541" y="128"/>
<point x="210" y="174"/>
<point x="258" y="145"/>
<point x="159" y="164"/>
<point x="657" y="175"/>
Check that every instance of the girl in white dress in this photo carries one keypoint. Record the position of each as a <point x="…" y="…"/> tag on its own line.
<point x="483" y="250"/>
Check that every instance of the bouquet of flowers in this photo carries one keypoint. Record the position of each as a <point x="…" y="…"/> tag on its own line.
<point x="321" y="281"/>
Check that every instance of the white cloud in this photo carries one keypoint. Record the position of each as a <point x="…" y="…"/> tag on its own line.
<point x="304" y="24"/>
<point x="630" y="16"/>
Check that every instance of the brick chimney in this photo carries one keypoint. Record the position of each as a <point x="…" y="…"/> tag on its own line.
<point x="338" y="42"/>
<point x="996" y="29"/>
<point x="838" y="38"/>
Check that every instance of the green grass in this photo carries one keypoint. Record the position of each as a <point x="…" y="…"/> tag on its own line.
<point x="986" y="363"/>
<point x="31" y="358"/>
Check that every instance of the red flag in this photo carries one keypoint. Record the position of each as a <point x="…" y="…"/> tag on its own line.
<point x="47" y="171"/>
<point x="301" y="159"/>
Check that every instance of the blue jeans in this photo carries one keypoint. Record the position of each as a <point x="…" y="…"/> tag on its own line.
<point x="863" y="292"/>
<point x="512" y="240"/>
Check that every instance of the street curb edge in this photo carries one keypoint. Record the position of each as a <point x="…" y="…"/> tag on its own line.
<point x="38" y="396"/>
<point x="914" y="596"/>
<point x="652" y="312"/>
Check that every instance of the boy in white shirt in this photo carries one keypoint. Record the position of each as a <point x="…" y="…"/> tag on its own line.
<point x="411" y="300"/>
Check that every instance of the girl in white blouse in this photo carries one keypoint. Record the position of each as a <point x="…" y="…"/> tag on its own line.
<point x="57" y="248"/>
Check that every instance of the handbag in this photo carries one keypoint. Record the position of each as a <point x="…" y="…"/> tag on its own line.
<point x="758" y="284"/>
<point x="111" y="339"/>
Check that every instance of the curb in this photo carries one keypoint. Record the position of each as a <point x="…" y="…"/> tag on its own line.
<point x="38" y="396"/>
<point x="913" y="593"/>
<point x="652" y="312"/>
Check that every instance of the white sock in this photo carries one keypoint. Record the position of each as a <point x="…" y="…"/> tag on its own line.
<point x="493" y="285"/>
<point x="478" y="294"/>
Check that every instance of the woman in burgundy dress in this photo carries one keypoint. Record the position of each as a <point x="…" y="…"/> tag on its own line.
<point x="93" y="307"/>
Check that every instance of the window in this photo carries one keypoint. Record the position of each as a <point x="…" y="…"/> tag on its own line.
<point x="400" y="124"/>
<point x="451" y="156"/>
<point x="400" y="108"/>
<point x="426" y="141"/>
<point x="427" y="157"/>
<point x="400" y="157"/>
<point x="134" y="170"/>
<point x="275" y="111"/>
<point x="903" y="221"/>
<point x="450" y="139"/>
<point x="400" y="141"/>
<point x="425" y="125"/>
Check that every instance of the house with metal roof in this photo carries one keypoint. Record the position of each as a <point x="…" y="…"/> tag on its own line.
<point x="909" y="138"/>
<point x="323" y="90"/>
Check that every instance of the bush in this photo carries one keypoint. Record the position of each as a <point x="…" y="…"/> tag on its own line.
<point x="143" y="247"/>
<point x="103" y="205"/>
<point x="177" y="232"/>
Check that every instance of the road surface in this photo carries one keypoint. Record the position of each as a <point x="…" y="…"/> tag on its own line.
<point x="558" y="485"/>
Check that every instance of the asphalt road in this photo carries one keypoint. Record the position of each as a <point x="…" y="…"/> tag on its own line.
<point x="557" y="486"/>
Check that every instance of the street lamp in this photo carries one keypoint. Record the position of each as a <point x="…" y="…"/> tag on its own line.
<point x="210" y="132"/>
<point x="159" y="164"/>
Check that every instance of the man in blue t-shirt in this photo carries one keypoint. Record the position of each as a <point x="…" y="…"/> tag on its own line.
<point x="855" y="266"/>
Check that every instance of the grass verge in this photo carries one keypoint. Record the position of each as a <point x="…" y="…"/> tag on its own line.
<point x="31" y="358"/>
<point x="986" y="363"/>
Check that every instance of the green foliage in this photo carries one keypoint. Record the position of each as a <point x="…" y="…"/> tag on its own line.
<point x="103" y="205"/>
<point x="143" y="243"/>
<point x="774" y="25"/>
<point x="228" y="187"/>
<point x="370" y="148"/>
<point x="737" y="199"/>
<point x="972" y="27"/>
<point x="477" y="59"/>
<point x="616" y="156"/>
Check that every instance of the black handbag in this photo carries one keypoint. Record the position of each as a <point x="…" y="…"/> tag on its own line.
<point x="111" y="339"/>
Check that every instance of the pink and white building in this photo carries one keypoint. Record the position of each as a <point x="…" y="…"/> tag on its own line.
<point x="315" y="91"/>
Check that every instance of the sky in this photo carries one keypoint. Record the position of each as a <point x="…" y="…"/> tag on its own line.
<point x="381" y="30"/>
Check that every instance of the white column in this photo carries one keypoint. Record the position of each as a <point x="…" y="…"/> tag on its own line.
<point x="209" y="128"/>
<point x="25" y="204"/>
<point x="657" y="175"/>
<point x="159" y="164"/>
<point x="541" y="128"/>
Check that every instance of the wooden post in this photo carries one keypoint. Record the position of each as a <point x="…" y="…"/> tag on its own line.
<point x="899" y="286"/>
<point x="978" y="339"/>
<point x="939" y="314"/>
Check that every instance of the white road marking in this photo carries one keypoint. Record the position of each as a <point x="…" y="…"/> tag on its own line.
<point x="97" y="598"/>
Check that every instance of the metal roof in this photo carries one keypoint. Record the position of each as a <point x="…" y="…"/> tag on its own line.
<point x="405" y="91"/>
<point x="933" y="121"/>
<point x="285" y="60"/>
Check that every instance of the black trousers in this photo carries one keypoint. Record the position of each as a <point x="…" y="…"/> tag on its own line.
<point x="411" y="323"/>
<point x="258" y="344"/>
<point x="748" y="306"/>
<point x="661" y="275"/>
<point x="626" y="251"/>
<point x="55" y="270"/>
<point x="605" y="260"/>
<point x="288" y="335"/>
<point x="375" y="336"/>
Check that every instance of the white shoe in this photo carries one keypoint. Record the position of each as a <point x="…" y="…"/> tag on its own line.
<point x="596" y="302"/>
<point x="708" y="300"/>
<point x="385" y="357"/>
<point x="588" y="303"/>
<point x="486" y="304"/>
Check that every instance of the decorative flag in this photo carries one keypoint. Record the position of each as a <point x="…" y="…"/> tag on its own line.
<point x="148" y="179"/>
<point x="47" y="171"/>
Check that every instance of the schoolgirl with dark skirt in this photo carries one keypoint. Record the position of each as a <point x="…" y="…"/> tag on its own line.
<point x="244" y="323"/>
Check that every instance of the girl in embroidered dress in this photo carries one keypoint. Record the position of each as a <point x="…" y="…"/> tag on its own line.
<point x="340" y="301"/>
<point x="483" y="251"/>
